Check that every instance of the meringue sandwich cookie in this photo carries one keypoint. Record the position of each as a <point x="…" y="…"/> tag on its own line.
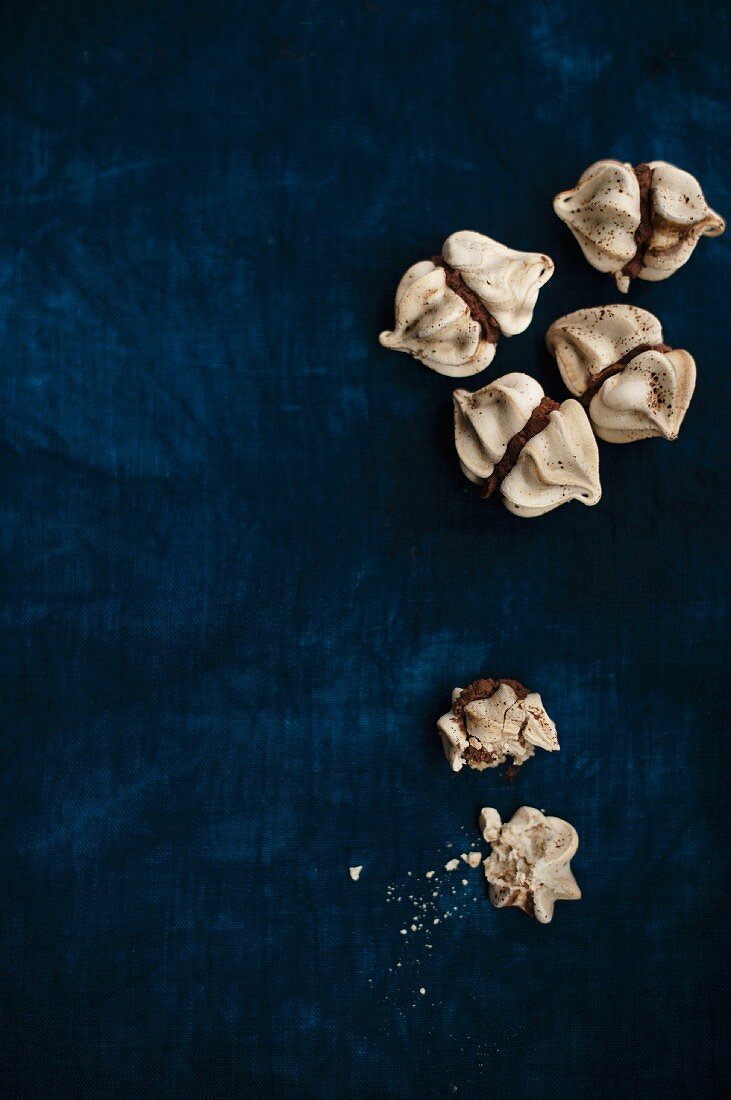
<point x="530" y="863"/>
<point x="539" y="454"/>
<point x="615" y="360"/>
<point x="641" y="222"/>
<point x="491" y="720"/>
<point x="452" y="309"/>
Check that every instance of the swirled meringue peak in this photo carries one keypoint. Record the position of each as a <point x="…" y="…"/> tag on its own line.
<point x="452" y="309"/>
<point x="641" y="222"/>
<point x="530" y="863"/>
<point x="537" y="453"/>
<point x="491" y="720"/>
<point x="614" y="359"/>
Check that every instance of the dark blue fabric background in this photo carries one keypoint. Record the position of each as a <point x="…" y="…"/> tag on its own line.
<point x="242" y="570"/>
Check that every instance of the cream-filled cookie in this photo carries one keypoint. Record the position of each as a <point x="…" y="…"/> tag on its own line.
<point x="642" y="222"/>
<point x="514" y="440"/>
<point x="491" y="720"/>
<point x="452" y="309"/>
<point x="614" y="359"/>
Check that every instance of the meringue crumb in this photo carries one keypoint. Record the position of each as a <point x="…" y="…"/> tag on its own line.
<point x="464" y="882"/>
<point x="355" y="872"/>
<point x="403" y="931"/>
<point x="422" y="991"/>
<point x="474" y="859"/>
<point x="430" y="874"/>
<point x="451" y="865"/>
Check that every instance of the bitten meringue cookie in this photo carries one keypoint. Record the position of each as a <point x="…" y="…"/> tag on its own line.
<point x="491" y="720"/>
<point x="539" y="454"/>
<point x="641" y="222"/>
<point x="614" y="359"/>
<point x="529" y="866"/>
<point x="451" y="310"/>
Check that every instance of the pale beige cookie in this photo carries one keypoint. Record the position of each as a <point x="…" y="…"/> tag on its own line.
<point x="637" y="223"/>
<point x="491" y="720"/>
<point x="452" y="309"/>
<point x="513" y="440"/>
<point x="530" y="863"/>
<point x="614" y="359"/>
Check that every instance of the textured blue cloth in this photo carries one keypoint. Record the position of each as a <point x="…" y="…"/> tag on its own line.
<point x="243" y="571"/>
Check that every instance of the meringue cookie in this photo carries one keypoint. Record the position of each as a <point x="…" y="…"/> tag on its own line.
<point x="529" y="866"/>
<point x="539" y="454"/>
<point x="641" y="222"/>
<point x="451" y="310"/>
<point x="491" y="720"/>
<point x="614" y="359"/>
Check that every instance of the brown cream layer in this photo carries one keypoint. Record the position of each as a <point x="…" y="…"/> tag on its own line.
<point x="484" y="318"/>
<point x="617" y="368"/>
<point x="537" y="422"/>
<point x="643" y="232"/>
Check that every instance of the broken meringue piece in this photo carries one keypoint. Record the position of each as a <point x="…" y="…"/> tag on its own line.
<point x="614" y="359"/>
<point x="491" y="720"/>
<point x="539" y="454"/>
<point x="529" y="866"/>
<point x="452" y="309"/>
<point x="642" y="222"/>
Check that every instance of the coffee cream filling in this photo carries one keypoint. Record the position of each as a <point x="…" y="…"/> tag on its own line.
<point x="478" y="311"/>
<point x="643" y="234"/>
<point x="616" y="368"/>
<point x="536" y="423"/>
